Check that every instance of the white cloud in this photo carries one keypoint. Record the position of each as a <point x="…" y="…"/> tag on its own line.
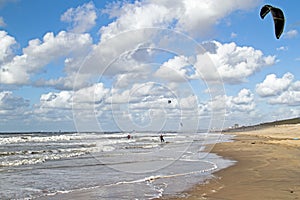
<point x="177" y="69"/>
<point x="130" y="100"/>
<point x="71" y="81"/>
<point x="82" y="18"/>
<point x="139" y="92"/>
<point x="117" y="55"/>
<point x="57" y="100"/>
<point x="233" y="35"/>
<point x="282" y="48"/>
<point x="189" y="103"/>
<point x="218" y="103"/>
<point x="273" y="86"/>
<point x="121" y="36"/>
<point x="243" y="102"/>
<point x="124" y="80"/>
<point x="2" y="23"/>
<point x="140" y="106"/>
<point x="233" y="63"/>
<point x="38" y="54"/>
<point x="91" y="95"/>
<point x="12" y="106"/>
<point x="196" y="18"/>
<point x="83" y="98"/>
<point x="240" y="108"/>
<point x="234" y="109"/>
<point x="295" y="86"/>
<point x="281" y="90"/>
<point x="290" y="98"/>
<point x="65" y="105"/>
<point x="291" y="34"/>
<point x="6" y="47"/>
<point x="136" y="92"/>
<point x="135" y="16"/>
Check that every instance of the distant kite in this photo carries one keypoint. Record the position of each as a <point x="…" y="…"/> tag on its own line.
<point x="278" y="18"/>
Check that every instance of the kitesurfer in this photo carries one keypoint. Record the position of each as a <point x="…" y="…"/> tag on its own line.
<point x="162" y="138"/>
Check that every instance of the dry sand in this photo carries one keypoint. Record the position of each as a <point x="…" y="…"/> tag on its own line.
<point x="268" y="167"/>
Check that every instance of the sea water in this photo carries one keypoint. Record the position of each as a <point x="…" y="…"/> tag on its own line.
<point x="105" y="165"/>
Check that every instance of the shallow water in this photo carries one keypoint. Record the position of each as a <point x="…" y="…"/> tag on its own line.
<point x="59" y="165"/>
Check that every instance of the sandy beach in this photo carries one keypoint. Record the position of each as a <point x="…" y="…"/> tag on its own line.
<point x="268" y="167"/>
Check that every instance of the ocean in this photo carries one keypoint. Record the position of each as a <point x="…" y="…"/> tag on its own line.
<point x="105" y="165"/>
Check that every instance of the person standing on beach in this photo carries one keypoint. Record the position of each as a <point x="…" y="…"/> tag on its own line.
<point x="161" y="138"/>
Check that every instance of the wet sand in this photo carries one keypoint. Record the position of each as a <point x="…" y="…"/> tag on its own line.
<point x="268" y="167"/>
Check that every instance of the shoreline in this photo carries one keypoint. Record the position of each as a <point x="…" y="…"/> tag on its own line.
<point x="268" y="167"/>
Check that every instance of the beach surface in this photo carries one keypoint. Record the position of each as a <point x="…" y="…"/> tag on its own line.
<point x="268" y="167"/>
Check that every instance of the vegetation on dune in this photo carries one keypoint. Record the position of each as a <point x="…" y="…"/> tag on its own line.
<point x="266" y="124"/>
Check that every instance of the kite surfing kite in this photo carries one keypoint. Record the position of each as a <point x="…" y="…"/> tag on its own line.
<point x="278" y="18"/>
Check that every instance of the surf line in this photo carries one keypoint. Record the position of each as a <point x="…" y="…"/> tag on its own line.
<point x="148" y="180"/>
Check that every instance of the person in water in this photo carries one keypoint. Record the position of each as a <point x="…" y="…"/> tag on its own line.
<point x="161" y="138"/>
<point x="128" y="136"/>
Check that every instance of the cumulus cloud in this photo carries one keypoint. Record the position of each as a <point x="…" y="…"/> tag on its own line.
<point x="124" y="80"/>
<point x="189" y="103"/>
<point x="57" y="100"/>
<point x="291" y="34"/>
<point x="273" y="86"/>
<point x="93" y="94"/>
<point x="66" y="99"/>
<point x="127" y="74"/>
<point x="40" y="53"/>
<point x="295" y="86"/>
<point x="7" y="44"/>
<point x="134" y="90"/>
<point x="282" y="90"/>
<point x="290" y="98"/>
<point x="118" y="54"/>
<point x="233" y="63"/>
<point x="147" y="92"/>
<point x="166" y="14"/>
<point x="12" y="106"/>
<point x="82" y="18"/>
<point x="64" y="104"/>
<point x="146" y="106"/>
<point x="243" y="102"/>
<point x="196" y="18"/>
<point x="135" y="16"/>
<point x="72" y="81"/>
<point x="177" y="69"/>
<point x="235" y="108"/>
<point x="10" y="102"/>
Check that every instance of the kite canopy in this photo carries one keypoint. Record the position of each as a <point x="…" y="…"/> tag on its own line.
<point x="278" y="18"/>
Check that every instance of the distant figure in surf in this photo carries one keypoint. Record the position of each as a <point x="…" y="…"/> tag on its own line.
<point x="162" y="138"/>
<point x="128" y="136"/>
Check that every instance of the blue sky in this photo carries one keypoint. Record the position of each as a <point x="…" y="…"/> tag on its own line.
<point x="113" y="65"/>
